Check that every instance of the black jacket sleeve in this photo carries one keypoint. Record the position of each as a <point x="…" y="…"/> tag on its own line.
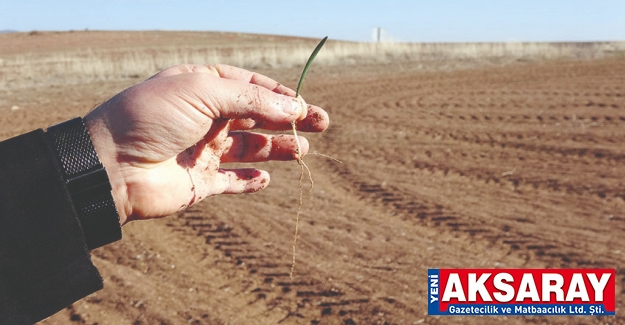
<point x="44" y="262"/>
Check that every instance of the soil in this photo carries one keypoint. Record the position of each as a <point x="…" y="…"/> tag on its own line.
<point x="519" y="166"/>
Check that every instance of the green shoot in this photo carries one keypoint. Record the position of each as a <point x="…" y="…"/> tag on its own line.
<point x="308" y="64"/>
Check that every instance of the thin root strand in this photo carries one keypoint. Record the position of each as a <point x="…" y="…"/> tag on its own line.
<point x="325" y="156"/>
<point x="300" y="161"/>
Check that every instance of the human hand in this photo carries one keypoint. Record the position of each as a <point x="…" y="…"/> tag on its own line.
<point x="162" y="140"/>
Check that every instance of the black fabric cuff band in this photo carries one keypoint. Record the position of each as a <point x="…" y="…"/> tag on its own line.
<point x="87" y="182"/>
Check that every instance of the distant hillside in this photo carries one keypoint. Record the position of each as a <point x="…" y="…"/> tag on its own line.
<point x="5" y="31"/>
<point x="81" y="56"/>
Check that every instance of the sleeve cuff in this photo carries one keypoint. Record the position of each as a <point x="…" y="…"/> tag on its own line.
<point x="87" y="182"/>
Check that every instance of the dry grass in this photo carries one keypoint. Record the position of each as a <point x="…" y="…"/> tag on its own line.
<point x="81" y="65"/>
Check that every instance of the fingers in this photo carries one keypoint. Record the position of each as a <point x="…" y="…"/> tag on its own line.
<point x="255" y="147"/>
<point x="225" y="181"/>
<point x="316" y="120"/>
<point x="237" y="181"/>
<point x="207" y="179"/>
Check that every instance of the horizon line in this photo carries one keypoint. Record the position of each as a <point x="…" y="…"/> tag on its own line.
<point x="13" y="31"/>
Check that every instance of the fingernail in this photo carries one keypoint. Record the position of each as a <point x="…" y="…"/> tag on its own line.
<point x="295" y="108"/>
<point x="300" y="107"/>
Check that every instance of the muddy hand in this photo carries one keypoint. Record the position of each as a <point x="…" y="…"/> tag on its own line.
<point x="162" y="140"/>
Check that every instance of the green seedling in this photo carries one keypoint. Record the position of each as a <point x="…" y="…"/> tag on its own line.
<point x="308" y="64"/>
<point x="300" y="158"/>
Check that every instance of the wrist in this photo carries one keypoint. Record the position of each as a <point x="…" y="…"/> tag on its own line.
<point x="104" y="145"/>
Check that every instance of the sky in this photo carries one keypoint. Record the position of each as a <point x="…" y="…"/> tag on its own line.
<point x="410" y="21"/>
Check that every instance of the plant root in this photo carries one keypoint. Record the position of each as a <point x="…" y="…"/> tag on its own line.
<point x="325" y="156"/>
<point x="304" y="167"/>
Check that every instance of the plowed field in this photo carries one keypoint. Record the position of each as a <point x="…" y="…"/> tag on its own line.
<point x="520" y="166"/>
